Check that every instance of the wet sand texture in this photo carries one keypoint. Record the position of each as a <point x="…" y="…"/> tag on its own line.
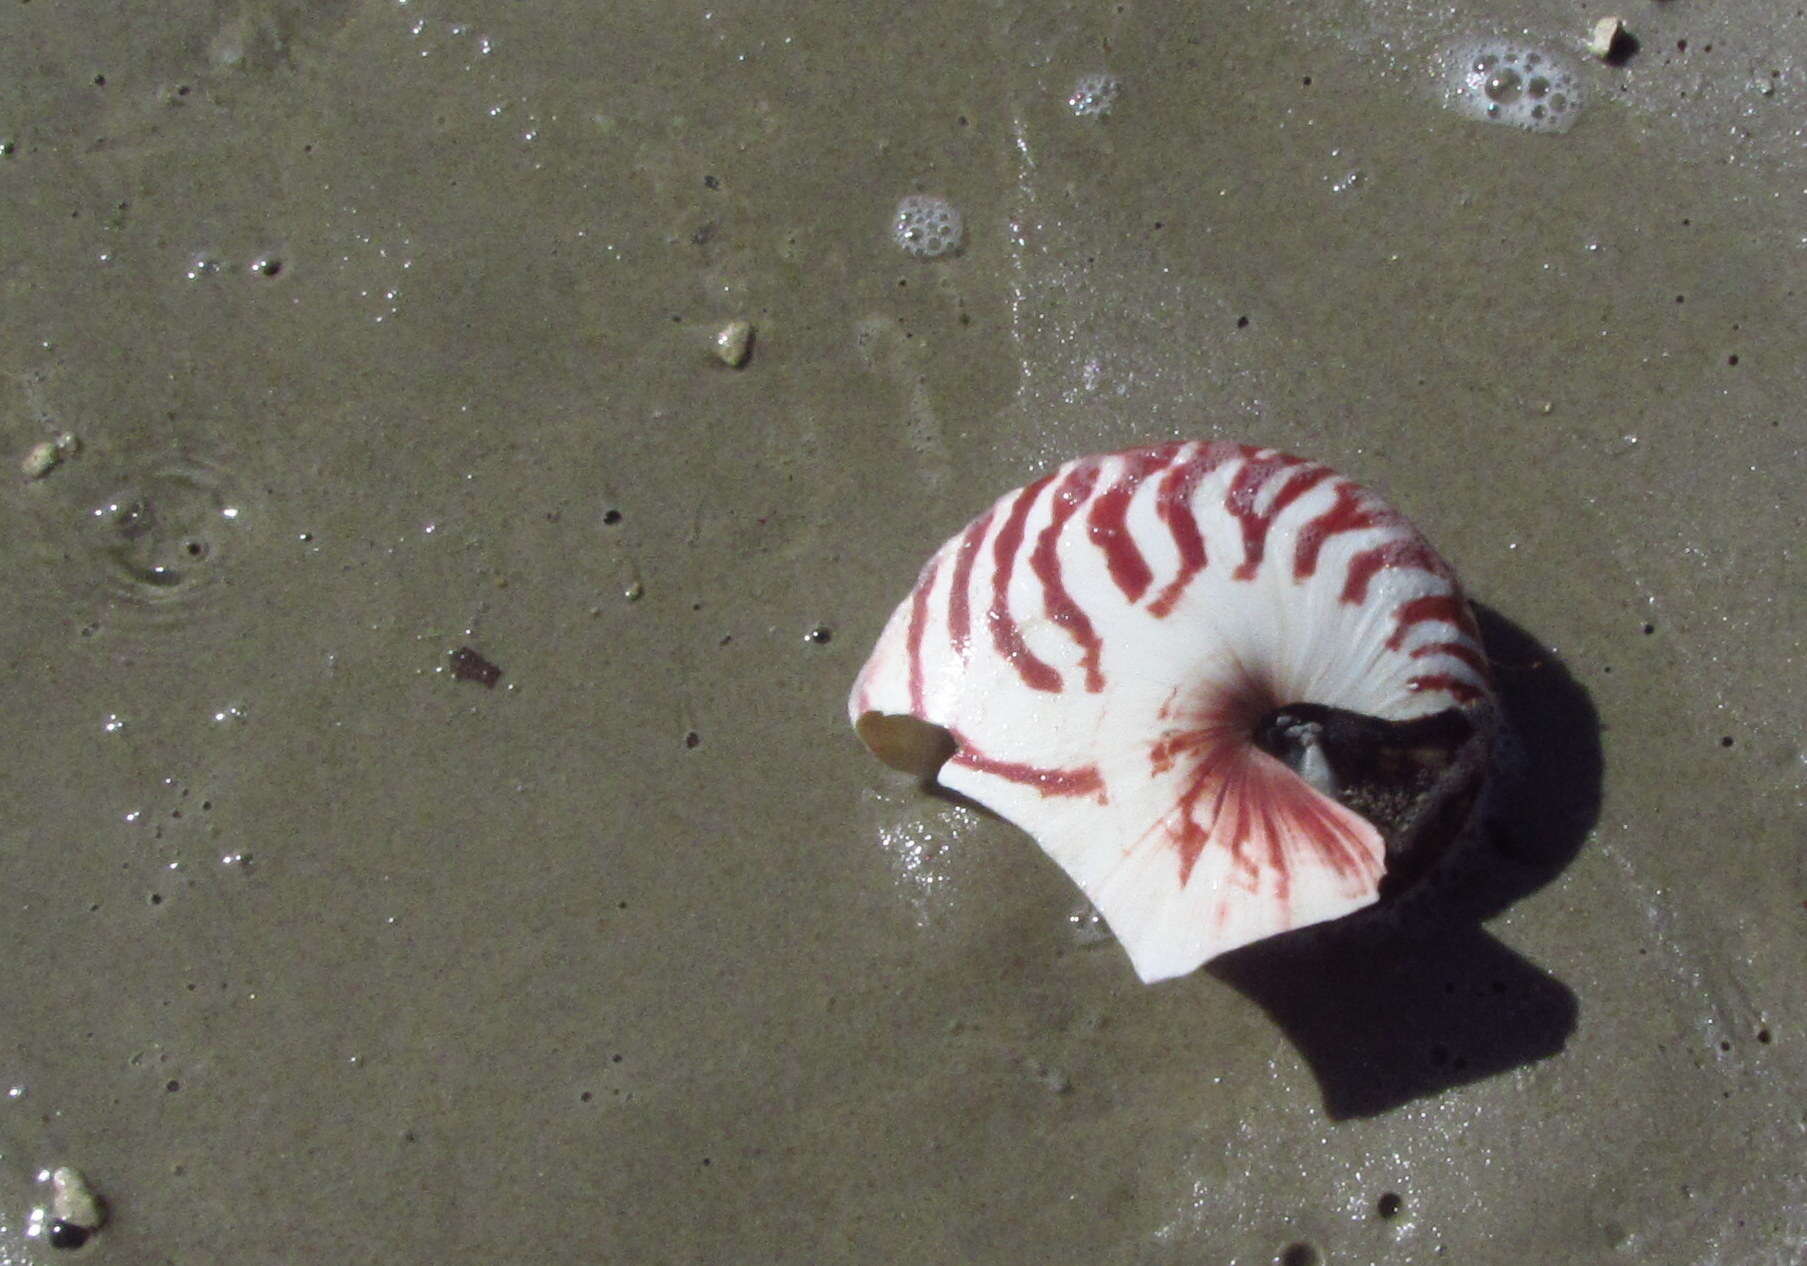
<point x="385" y="330"/>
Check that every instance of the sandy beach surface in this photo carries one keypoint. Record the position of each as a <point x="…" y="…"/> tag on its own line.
<point x="341" y="336"/>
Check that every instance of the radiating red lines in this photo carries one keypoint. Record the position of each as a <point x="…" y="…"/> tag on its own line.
<point x="1237" y="798"/>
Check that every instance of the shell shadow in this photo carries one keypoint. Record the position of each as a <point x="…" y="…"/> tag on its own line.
<point x="1408" y="1000"/>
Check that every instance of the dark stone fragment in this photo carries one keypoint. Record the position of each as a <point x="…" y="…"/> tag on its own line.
<point x="467" y="665"/>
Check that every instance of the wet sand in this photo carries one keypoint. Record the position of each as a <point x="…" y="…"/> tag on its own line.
<point x="386" y="329"/>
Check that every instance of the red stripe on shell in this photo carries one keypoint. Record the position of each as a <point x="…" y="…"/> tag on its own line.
<point x="1455" y="687"/>
<point x="1246" y="489"/>
<point x="919" y="611"/>
<point x="1108" y="526"/>
<point x="1463" y="651"/>
<point x="1411" y="552"/>
<point x="1083" y="780"/>
<point x="1447" y="608"/>
<point x="1348" y="513"/>
<point x="1044" y="560"/>
<point x="1173" y="503"/>
<point x="1005" y="635"/>
<point x="959" y="616"/>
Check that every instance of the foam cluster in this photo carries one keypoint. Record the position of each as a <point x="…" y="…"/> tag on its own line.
<point x="927" y="226"/>
<point x="1505" y="81"/>
<point x="1094" y="95"/>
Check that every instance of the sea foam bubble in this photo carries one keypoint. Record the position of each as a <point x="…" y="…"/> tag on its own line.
<point x="927" y="226"/>
<point x="1093" y="95"/>
<point x="1511" y="82"/>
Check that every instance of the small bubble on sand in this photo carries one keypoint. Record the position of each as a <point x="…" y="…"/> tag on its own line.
<point x="927" y="226"/>
<point x="1094" y="94"/>
<point x="1510" y="82"/>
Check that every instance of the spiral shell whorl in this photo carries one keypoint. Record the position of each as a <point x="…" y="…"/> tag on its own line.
<point x="1100" y="644"/>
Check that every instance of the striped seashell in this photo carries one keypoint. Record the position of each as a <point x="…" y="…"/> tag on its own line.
<point x="1225" y="688"/>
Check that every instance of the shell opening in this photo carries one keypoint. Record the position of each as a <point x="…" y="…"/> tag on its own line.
<point x="1414" y="780"/>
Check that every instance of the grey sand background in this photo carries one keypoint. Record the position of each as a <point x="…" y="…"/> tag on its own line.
<point x="319" y="954"/>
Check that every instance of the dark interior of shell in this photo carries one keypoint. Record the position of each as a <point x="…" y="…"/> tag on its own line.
<point x="1416" y="781"/>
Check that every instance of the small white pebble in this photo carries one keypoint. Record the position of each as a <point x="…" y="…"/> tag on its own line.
<point x="40" y="459"/>
<point x="73" y="1201"/>
<point x="733" y="343"/>
<point x="1606" y="36"/>
<point x="46" y="455"/>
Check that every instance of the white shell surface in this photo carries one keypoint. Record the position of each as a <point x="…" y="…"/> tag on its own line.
<point x="1100" y="644"/>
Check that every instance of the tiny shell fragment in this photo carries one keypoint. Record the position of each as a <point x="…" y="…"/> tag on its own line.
<point x="46" y="455"/>
<point x="73" y="1201"/>
<point x="1607" y="34"/>
<point x="734" y="343"/>
<point x="40" y="459"/>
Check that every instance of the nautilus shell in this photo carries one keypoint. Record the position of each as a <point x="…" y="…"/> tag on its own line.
<point x="1229" y="691"/>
